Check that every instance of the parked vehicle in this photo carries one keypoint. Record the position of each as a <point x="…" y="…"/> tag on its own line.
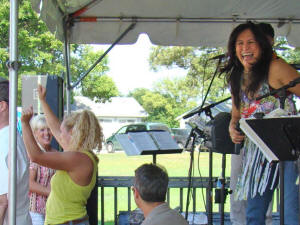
<point x="112" y="143"/>
<point x="180" y="136"/>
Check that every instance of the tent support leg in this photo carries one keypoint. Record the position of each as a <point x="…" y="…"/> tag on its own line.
<point x="70" y="86"/>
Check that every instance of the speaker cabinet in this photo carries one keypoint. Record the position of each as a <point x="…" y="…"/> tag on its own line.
<point x="54" y="94"/>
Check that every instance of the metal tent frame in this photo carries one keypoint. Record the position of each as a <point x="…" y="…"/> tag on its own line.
<point x="169" y="22"/>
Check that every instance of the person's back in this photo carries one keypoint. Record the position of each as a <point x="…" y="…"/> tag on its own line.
<point x="22" y="173"/>
<point x="22" y="199"/>
<point x="67" y="198"/>
<point x="163" y="214"/>
<point x="150" y="188"/>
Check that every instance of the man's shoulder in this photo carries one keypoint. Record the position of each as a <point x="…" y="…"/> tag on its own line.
<point x="4" y="132"/>
<point x="4" y="135"/>
<point x="165" y="215"/>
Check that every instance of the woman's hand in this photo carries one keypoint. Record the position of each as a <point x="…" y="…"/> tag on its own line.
<point x="27" y="115"/>
<point x="42" y="92"/>
<point x="236" y="136"/>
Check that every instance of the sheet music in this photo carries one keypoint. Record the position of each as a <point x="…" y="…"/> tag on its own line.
<point x="256" y="139"/>
<point x="135" y="142"/>
<point x="163" y="140"/>
<point x="127" y="144"/>
<point x="277" y="137"/>
<point x="142" y="141"/>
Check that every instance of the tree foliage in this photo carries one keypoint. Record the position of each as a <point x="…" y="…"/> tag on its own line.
<point x="195" y="60"/>
<point x="200" y="72"/>
<point x="40" y="53"/>
<point x="169" y="99"/>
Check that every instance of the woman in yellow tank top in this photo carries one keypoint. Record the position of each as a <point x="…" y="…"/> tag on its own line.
<point x="78" y="134"/>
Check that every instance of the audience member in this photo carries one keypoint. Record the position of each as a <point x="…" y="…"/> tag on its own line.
<point x="22" y="173"/>
<point x="40" y="176"/>
<point x="149" y="190"/>
<point x="78" y="134"/>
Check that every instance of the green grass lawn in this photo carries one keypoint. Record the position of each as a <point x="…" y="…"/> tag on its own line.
<point x="118" y="164"/>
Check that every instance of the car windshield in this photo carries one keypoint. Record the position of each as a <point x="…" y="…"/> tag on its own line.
<point x="136" y="127"/>
<point x="184" y="132"/>
<point x="159" y="127"/>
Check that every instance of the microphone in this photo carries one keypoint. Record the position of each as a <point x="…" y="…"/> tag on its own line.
<point x="238" y="147"/>
<point x="218" y="57"/>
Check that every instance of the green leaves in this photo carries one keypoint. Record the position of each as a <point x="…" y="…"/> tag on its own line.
<point x="169" y="99"/>
<point x="41" y="53"/>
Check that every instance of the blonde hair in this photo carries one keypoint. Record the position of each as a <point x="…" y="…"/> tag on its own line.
<point x="38" y="122"/>
<point x="86" y="133"/>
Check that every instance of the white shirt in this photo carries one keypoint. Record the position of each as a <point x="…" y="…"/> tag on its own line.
<point x="22" y="199"/>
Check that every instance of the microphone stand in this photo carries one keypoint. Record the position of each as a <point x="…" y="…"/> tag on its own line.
<point x="207" y="110"/>
<point x="281" y="92"/>
<point x="192" y="136"/>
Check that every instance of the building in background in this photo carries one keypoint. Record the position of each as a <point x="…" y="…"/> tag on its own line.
<point x="112" y="115"/>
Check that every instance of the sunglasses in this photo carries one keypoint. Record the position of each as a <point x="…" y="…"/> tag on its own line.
<point x="133" y="188"/>
<point x="3" y="100"/>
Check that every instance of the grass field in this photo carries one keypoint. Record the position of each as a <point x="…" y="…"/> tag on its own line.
<point x="118" y="164"/>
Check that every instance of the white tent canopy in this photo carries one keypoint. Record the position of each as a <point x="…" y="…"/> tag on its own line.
<point x="167" y="22"/>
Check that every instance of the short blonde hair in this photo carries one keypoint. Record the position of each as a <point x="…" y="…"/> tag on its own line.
<point x="86" y="132"/>
<point x="38" y="122"/>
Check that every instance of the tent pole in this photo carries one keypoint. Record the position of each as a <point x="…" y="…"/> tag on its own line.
<point x="13" y="88"/>
<point x="104" y="54"/>
<point x="67" y="65"/>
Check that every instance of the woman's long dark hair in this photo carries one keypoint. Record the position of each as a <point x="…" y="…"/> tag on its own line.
<point x="234" y="69"/>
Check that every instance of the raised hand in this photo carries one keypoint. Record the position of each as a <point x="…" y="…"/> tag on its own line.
<point x="27" y="115"/>
<point x="42" y="92"/>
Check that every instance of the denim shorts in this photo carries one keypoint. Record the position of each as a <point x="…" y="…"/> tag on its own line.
<point x="84" y="222"/>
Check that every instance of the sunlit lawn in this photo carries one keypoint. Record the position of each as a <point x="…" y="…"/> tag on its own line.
<point x="118" y="164"/>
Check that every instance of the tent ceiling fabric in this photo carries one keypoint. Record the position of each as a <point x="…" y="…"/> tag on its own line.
<point x="167" y="22"/>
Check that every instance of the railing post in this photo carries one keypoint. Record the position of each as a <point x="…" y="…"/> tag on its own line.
<point x="116" y="205"/>
<point x="129" y="198"/>
<point x="194" y="200"/>
<point x="181" y="199"/>
<point x="102" y="205"/>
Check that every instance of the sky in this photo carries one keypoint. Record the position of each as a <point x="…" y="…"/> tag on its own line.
<point x="129" y="67"/>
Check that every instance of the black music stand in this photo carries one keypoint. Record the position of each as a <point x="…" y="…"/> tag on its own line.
<point x="148" y="143"/>
<point x="263" y="131"/>
<point x="281" y="92"/>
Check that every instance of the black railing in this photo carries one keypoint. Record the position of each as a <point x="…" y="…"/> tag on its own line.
<point x="174" y="182"/>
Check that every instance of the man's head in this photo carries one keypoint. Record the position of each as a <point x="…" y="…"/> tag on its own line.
<point x="268" y="30"/>
<point x="4" y="90"/>
<point x="4" y="101"/>
<point x="151" y="183"/>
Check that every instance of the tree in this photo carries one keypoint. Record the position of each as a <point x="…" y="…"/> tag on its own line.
<point x="168" y="99"/>
<point x="195" y="61"/>
<point x="171" y="98"/>
<point x="287" y="52"/>
<point x="41" y="53"/>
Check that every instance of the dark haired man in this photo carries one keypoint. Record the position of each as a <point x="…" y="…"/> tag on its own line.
<point x="22" y="200"/>
<point x="150" y="188"/>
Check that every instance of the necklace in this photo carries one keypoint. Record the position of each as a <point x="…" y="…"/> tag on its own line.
<point x="41" y="147"/>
